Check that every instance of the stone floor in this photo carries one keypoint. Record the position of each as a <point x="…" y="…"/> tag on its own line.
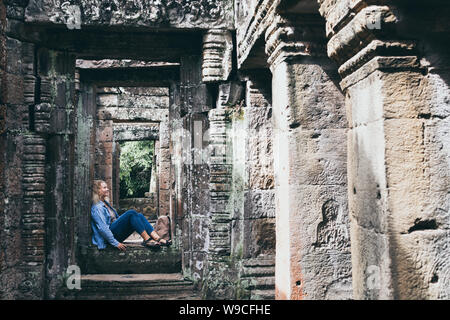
<point x="135" y="287"/>
<point x="138" y="273"/>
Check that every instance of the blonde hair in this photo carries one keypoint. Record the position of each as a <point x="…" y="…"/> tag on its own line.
<point x="95" y="191"/>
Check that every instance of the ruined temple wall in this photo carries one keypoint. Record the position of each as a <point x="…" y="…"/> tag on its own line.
<point x="12" y="127"/>
<point x="309" y="147"/>
<point x="85" y="144"/>
<point x="310" y="180"/>
<point x="242" y="230"/>
<point x="259" y="175"/>
<point x="38" y="92"/>
<point x="22" y="162"/>
<point x="392" y="62"/>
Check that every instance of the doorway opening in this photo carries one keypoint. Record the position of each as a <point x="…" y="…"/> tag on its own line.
<point x="138" y="177"/>
<point x="137" y="169"/>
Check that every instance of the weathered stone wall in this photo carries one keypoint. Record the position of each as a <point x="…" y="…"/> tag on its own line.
<point x="395" y="83"/>
<point x="259" y="194"/>
<point x="47" y="95"/>
<point x="309" y="141"/>
<point x="242" y="230"/>
<point x="147" y="206"/>
<point x="38" y="91"/>
<point x="10" y="178"/>
<point x="381" y="166"/>
<point x="310" y="181"/>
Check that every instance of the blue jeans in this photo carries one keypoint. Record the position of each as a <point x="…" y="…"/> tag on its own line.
<point x="129" y="222"/>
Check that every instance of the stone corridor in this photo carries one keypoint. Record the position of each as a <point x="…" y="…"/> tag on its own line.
<point x="301" y="148"/>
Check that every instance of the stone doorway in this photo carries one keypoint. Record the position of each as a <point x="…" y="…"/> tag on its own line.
<point x="119" y="106"/>
<point x="135" y="116"/>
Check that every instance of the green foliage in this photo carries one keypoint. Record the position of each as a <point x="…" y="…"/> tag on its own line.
<point x="136" y="159"/>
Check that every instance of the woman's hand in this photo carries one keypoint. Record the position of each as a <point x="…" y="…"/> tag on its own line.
<point x="121" y="247"/>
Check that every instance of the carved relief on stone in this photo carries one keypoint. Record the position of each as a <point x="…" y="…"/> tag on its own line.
<point x="42" y="113"/>
<point x="290" y="36"/>
<point x="179" y="13"/>
<point x="29" y="84"/>
<point x="332" y="232"/>
<point x="217" y="55"/>
<point x="33" y="183"/>
<point x="230" y="94"/>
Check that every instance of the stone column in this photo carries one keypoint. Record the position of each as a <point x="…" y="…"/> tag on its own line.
<point x="56" y="121"/>
<point x="190" y="123"/>
<point x="398" y="154"/>
<point x="258" y="218"/>
<point x="312" y="239"/>
<point x="220" y="270"/>
<point x="220" y="181"/>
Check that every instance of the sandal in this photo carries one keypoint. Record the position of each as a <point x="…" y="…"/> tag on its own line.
<point x="151" y="244"/>
<point x="167" y="243"/>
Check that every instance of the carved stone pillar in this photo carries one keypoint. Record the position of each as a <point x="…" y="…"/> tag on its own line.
<point x="55" y="121"/>
<point x="217" y="55"/>
<point x="221" y="271"/>
<point x="396" y="150"/>
<point x="257" y="229"/>
<point x="312" y="238"/>
<point x="220" y="177"/>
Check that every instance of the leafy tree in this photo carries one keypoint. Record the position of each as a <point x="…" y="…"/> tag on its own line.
<point x="136" y="159"/>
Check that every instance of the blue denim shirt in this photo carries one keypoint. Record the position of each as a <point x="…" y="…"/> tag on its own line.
<point x="100" y="222"/>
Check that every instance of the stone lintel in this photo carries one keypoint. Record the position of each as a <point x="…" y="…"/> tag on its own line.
<point x="151" y="14"/>
<point x="121" y="63"/>
<point x="135" y="132"/>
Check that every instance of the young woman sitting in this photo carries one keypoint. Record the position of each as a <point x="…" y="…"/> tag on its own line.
<point x="109" y="227"/>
